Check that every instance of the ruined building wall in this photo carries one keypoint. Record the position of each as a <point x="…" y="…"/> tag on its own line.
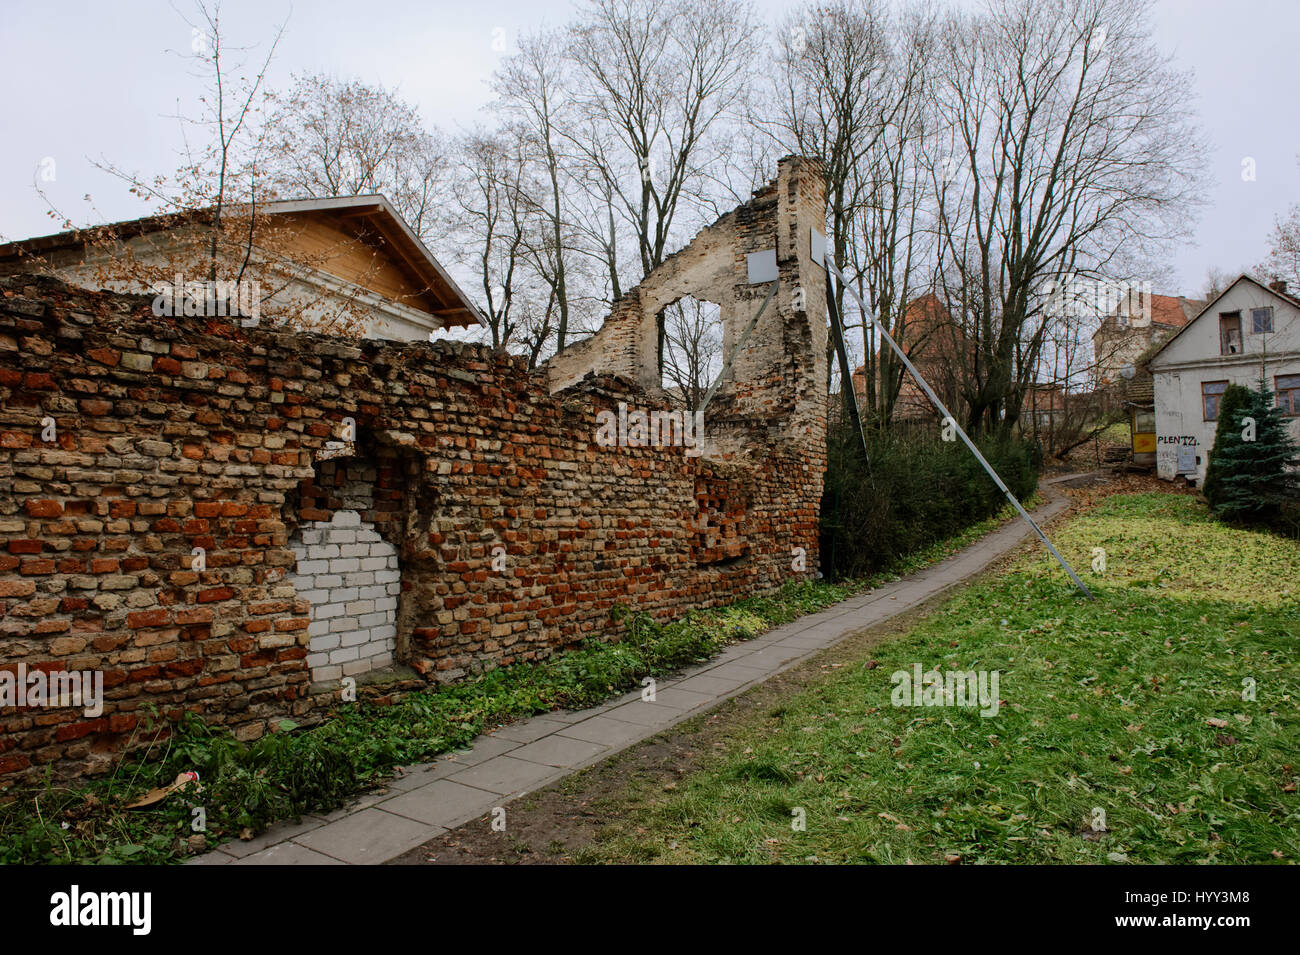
<point x="463" y="497"/>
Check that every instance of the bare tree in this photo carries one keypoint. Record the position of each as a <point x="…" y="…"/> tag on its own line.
<point x="830" y="100"/>
<point x="227" y="119"/>
<point x="536" y="92"/>
<point x="850" y="86"/>
<point x="1065" y="391"/>
<point x="658" y="81"/>
<point x="1069" y="133"/>
<point x="597" y="220"/>
<point x="1283" y="260"/>
<point x="1217" y="280"/>
<point x="336" y="138"/>
<point x="491" y="190"/>
<point x="209" y="218"/>
<point x="223" y="169"/>
<point x="892" y="253"/>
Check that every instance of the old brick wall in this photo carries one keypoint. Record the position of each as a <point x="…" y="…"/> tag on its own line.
<point x="515" y="532"/>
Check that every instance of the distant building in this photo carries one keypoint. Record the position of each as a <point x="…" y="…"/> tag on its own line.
<point x="1139" y="325"/>
<point x="354" y="253"/>
<point x="1250" y="330"/>
<point x="934" y="344"/>
<point x="1044" y="406"/>
<point x="1140" y="321"/>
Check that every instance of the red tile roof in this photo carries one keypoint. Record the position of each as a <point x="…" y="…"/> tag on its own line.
<point x="1174" y="310"/>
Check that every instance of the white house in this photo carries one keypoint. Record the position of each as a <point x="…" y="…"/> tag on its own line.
<point x="1248" y="331"/>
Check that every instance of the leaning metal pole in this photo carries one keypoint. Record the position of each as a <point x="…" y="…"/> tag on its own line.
<point x="848" y="392"/>
<point x="929" y="392"/>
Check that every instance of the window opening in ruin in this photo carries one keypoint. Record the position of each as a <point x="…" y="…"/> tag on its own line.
<point x="692" y="350"/>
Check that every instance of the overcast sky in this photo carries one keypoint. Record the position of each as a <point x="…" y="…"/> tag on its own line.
<point x="85" y="80"/>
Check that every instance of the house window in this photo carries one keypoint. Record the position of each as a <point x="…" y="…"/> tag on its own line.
<point x="1144" y="422"/>
<point x="1288" y="393"/>
<point x="1230" y="333"/>
<point x="1211" y="392"/>
<point x="1261" y="320"/>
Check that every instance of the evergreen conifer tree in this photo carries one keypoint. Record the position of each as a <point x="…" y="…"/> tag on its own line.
<point x="1248" y="478"/>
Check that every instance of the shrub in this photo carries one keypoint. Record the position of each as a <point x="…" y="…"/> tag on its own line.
<point x="916" y="490"/>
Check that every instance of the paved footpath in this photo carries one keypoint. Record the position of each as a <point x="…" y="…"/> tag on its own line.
<point x="426" y="800"/>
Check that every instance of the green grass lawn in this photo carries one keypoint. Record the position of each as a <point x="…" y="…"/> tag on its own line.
<point x="1129" y="709"/>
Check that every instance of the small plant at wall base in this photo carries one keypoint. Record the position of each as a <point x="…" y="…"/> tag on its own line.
<point x="1249" y="479"/>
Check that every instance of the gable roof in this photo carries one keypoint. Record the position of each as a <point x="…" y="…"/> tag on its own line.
<point x="446" y="300"/>
<point x="1243" y="277"/>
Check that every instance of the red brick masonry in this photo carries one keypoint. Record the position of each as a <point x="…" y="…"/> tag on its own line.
<point x="178" y="433"/>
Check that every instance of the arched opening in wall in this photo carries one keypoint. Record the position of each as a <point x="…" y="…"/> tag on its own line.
<point x="346" y="569"/>
<point x="693" y="350"/>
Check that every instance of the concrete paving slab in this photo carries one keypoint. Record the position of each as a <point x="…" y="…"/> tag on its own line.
<point x="484" y="748"/>
<point x="709" y="683"/>
<point x="526" y="731"/>
<point x="413" y="777"/>
<point x="805" y="641"/>
<point x="734" y="652"/>
<point x="280" y="832"/>
<point x="444" y="802"/>
<point x="606" y="731"/>
<point x="647" y="714"/>
<point x="682" y="699"/>
<point x="211" y="857"/>
<point x="365" y="801"/>
<point x="505" y="774"/>
<point x="368" y="837"/>
<point x="560" y="751"/>
<point x="770" y="658"/>
<point x="740" y="671"/>
<point x="287" y="853"/>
